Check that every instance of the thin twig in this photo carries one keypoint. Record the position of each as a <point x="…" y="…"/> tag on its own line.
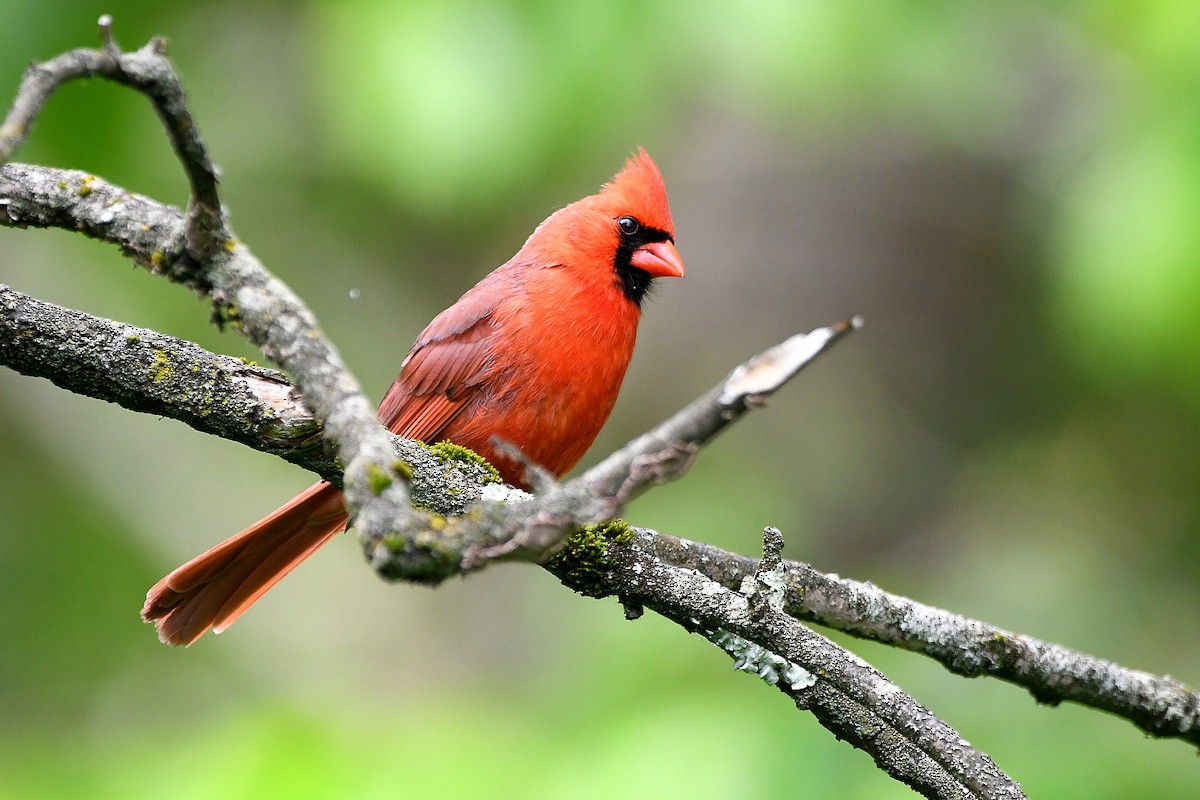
<point x="535" y="529"/>
<point x="149" y="72"/>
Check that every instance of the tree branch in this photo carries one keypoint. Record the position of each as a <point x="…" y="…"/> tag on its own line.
<point x="849" y="697"/>
<point x="149" y="72"/>
<point x="202" y="253"/>
<point x="146" y="371"/>
<point x="1158" y="704"/>
<point x="535" y="529"/>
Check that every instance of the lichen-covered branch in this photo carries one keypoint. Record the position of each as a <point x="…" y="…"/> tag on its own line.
<point x="148" y="232"/>
<point x="1159" y="704"/>
<point x="534" y="529"/>
<point x="850" y="698"/>
<point x="150" y="372"/>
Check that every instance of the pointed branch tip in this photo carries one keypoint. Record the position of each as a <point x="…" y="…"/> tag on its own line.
<point x="755" y="380"/>
<point x="105" y="23"/>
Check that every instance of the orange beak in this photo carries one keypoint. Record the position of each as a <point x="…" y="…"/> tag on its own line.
<point x="659" y="259"/>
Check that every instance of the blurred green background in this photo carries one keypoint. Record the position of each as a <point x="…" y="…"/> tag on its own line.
<point x="1009" y="194"/>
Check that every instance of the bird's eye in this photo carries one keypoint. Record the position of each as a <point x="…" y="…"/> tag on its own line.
<point x="628" y="225"/>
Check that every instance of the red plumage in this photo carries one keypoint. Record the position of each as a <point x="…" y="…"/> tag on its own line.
<point x="533" y="355"/>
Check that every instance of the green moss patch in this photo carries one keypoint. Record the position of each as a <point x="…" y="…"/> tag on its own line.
<point x="585" y="558"/>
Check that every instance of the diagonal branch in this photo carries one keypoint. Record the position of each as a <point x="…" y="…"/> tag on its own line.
<point x="534" y="530"/>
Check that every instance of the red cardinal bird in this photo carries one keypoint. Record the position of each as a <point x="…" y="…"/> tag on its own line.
<point x="532" y="355"/>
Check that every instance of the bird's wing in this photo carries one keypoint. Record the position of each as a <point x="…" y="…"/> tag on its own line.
<point x="444" y="370"/>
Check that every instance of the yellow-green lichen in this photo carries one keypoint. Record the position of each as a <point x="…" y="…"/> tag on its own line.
<point x="12" y="130"/>
<point x="85" y="186"/>
<point x="161" y="368"/>
<point x="403" y="469"/>
<point x="157" y="258"/>
<point x="423" y="558"/>
<point x="133" y="338"/>
<point x="378" y="479"/>
<point x="585" y="557"/>
<point x="227" y="314"/>
<point x="448" y="452"/>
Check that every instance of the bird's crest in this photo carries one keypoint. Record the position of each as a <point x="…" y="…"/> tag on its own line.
<point x="639" y="189"/>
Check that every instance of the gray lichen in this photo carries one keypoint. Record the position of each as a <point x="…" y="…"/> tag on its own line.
<point x="750" y="657"/>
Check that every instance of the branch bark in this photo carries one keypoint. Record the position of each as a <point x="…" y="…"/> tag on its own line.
<point x="1158" y="704"/>
<point x="149" y="372"/>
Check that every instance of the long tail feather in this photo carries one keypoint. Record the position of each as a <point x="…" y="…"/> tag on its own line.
<point x="213" y="589"/>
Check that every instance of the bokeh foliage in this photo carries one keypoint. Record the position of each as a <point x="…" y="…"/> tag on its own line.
<point x="1008" y="194"/>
